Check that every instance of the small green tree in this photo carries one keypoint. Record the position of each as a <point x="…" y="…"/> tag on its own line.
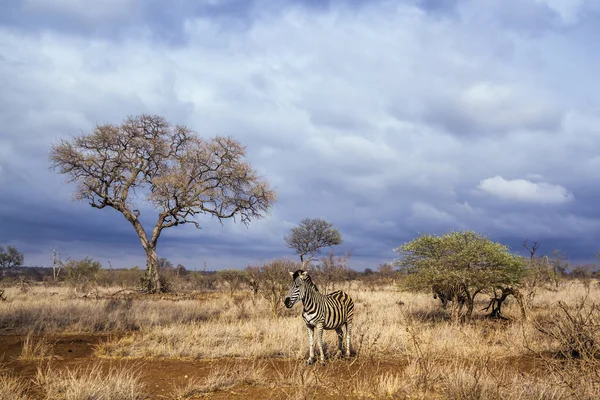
<point x="311" y="236"/>
<point x="232" y="278"/>
<point x="465" y="260"/>
<point x="82" y="271"/>
<point x="10" y="258"/>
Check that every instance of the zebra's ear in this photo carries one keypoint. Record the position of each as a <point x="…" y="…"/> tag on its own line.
<point x="291" y="274"/>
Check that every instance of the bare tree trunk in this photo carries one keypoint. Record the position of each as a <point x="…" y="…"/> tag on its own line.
<point x="470" y="305"/>
<point x="455" y="312"/>
<point x="152" y="275"/>
<point x="497" y="301"/>
<point x="523" y="304"/>
<point x="152" y="278"/>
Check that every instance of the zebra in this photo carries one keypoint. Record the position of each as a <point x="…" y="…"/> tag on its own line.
<point x="321" y="311"/>
<point x="446" y="293"/>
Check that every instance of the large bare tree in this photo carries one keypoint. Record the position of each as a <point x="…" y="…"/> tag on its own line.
<point x="147" y="160"/>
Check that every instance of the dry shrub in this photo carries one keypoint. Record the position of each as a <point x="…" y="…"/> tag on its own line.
<point x="479" y="381"/>
<point x="90" y="383"/>
<point x="331" y="272"/>
<point x="271" y="280"/>
<point x="569" y="348"/>
<point x="13" y="388"/>
<point x="576" y="328"/>
<point x="576" y="379"/>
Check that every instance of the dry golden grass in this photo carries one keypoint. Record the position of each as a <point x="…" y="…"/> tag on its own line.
<point x="43" y="313"/>
<point x="12" y="388"/>
<point x="36" y="348"/>
<point x="224" y="377"/>
<point x="89" y="383"/>
<point x="382" y="328"/>
<point x="430" y="356"/>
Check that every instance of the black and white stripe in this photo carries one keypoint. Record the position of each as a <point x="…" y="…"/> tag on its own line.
<point x="321" y="311"/>
<point x="447" y="293"/>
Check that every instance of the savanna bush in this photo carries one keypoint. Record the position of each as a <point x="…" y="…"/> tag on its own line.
<point x="271" y="281"/>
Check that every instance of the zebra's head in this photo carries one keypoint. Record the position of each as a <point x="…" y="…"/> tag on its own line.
<point x="297" y="287"/>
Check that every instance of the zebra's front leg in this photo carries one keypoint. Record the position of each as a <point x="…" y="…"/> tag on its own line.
<point x="320" y="343"/>
<point x="311" y="345"/>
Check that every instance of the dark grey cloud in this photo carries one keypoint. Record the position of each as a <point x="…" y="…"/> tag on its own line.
<point x="389" y="119"/>
<point x="118" y="19"/>
<point x="165" y="23"/>
<point x="529" y="16"/>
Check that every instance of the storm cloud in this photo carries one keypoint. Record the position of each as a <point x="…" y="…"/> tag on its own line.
<point x="388" y="119"/>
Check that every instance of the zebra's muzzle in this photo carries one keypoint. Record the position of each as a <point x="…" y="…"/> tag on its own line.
<point x="288" y="302"/>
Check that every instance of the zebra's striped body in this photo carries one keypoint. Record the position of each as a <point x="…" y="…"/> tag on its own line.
<point x="447" y="293"/>
<point x="321" y="311"/>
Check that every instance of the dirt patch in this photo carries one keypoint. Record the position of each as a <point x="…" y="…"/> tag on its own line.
<point x="164" y="377"/>
<point x="67" y="347"/>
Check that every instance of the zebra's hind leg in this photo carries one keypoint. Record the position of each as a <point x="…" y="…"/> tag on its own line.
<point x="340" y="336"/>
<point x="348" y="330"/>
<point x="311" y="345"/>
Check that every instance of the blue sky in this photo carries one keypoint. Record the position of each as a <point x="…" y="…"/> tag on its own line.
<point x="387" y="118"/>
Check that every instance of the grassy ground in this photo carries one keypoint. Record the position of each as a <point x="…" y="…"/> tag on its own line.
<point x="232" y="346"/>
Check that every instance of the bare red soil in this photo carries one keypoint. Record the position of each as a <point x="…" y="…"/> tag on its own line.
<point x="162" y="377"/>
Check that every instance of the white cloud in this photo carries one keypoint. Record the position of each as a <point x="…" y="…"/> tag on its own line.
<point x="524" y="190"/>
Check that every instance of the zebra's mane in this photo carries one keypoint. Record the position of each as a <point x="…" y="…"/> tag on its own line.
<point x="308" y="280"/>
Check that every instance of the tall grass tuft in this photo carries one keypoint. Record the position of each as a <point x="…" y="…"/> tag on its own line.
<point x="36" y="348"/>
<point x="224" y="377"/>
<point x="90" y="383"/>
<point x="13" y="388"/>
